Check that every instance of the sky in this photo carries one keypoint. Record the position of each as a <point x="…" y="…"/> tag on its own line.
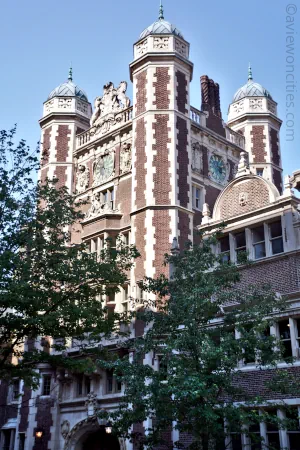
<point x="39" y="40"/>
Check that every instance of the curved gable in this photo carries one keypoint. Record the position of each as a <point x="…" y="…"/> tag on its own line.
<point x="243" y="195"/>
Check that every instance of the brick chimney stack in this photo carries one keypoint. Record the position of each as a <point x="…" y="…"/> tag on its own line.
<point x="210" y="93"/>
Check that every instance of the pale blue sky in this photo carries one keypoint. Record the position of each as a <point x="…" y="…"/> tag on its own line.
<point x="39" y="39"/>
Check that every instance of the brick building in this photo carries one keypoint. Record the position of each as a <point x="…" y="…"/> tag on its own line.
<point x="153" y="171"/>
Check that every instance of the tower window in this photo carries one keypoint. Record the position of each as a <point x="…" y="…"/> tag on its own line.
<point x="260" y="172"/>
<point x="197" y="198"/>
<point x="46" y="385"/>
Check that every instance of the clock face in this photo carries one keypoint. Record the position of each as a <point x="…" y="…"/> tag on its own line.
<point x="217" y="169"/>
<point x="103" y="168"/>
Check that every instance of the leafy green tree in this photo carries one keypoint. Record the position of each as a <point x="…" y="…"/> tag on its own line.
<point x="49" y="286"/>
<point x="185" y="370"/>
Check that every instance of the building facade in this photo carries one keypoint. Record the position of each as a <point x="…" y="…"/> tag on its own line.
<point x="151" y="172"/>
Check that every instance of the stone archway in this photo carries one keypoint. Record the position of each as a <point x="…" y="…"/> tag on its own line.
<point x="79" y="435"/>
<point x="100" y="440"/>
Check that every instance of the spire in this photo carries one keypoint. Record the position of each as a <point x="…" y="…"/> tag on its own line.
<point x="70" y="77"/>
<point x="161" y="11"/>
<point x="249" y="73"/>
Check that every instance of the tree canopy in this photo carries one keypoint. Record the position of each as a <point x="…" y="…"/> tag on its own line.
<point x="49" y="286"/>
<point x="185" y="372"/>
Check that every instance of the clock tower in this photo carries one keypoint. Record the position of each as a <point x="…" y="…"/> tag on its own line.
<point x="161" y="160"/>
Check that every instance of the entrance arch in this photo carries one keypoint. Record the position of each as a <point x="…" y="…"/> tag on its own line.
<point x="87" y="432"/>
<point x="100" y="440"/>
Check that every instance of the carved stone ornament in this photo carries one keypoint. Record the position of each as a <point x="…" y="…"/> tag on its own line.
<point x="161" y="42"/>
<point x="243" y="198"/>
<point x="103" y="168"/>
<point x="49" y="105"/>
<point x="180" y="47"/>
<point x="197" y="158"/>
<point x="65" y="428"/>
<point x="256" y="104"/>
<point x="271" y="107"/>
<point x="65" y="103"/>
<point x="238" y="107"/>
<point x="112" y="102"/>
<point x="142" y="47"/>
<point x="125" y="158"/>
<point x="98" y="207"/>
<point x="83" y="178"/>
<point x="91" y="404"/>
<point x="82" y="107"/>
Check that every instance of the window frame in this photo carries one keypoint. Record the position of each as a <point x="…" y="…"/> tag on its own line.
<point x="47" y="377"/>
<point x="200" y="199"/>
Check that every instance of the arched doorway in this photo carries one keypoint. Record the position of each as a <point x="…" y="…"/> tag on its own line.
<point x="100" y="440"/>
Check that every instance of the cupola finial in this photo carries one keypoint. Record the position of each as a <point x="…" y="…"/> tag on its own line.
<point x="70" y="77"/>
<point x="250" y="73"/>
<point x="161" y="11"/>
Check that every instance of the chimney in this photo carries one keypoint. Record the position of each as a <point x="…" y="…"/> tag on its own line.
<point x="210" y="94"/>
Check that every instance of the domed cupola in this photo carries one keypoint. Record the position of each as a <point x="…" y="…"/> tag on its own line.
<point x="251" y="89"/>
<point x="68" y="98"/>
<point x="68" y="89"/>
<point x="161" y="26"/>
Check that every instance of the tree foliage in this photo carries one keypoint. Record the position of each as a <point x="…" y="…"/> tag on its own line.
<point x="49" y="286"/>
<point x="186" y="369"/>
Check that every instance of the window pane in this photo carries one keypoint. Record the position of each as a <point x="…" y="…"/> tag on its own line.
<point x="260" y="172"/>
<point x="259" y="250"/>
<point x="284" y="329"/>
<point x="274" y="442"/>
<point x="258" y="234"/>
<point x="240" y="239"/>
<point x="277" y="246"/>
<point x="236" y="442"/>
<point x="224" y="244"/>
<point x="275" y="229"/>
<point x="46" y="384"/>
<point x="294" y="439"/>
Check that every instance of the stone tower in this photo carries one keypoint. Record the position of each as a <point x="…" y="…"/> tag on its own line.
<point x="253" y="113"/>
<point x="161" y="161"/>
<point x="66" y="113"/>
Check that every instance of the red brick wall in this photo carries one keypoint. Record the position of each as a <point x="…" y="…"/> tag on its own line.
<point x="182" y="93"/>
<point x="281" y="273"/>
<point x="275" y="147"/>
<point x="183" y="162"/>
<point x="61" y="174"/>
<point x="123" y="198"/>
<point x="9" y="411"/>
<point x="161" y="177"/>
<point x="24" y="410"/>
<point x="162" y="100"/>
<point x="277" y="179"/>
<point x="141" y="159"/>
<point x="140" y="242"/>
<point x="62" y="143"/>
<point x="255" y="383"/>
<point x="46" y="146"/>
<point x="184" y="229"/>
<point x="44" y="175"/>
<point x="211" y="196"/>
<point x="44" y="420"/>
<point x="139" y="430"/>
<point x="161" y="222"/>
<point x="205" y="160"/>
<point x="141" y="94"/>
<point x="214" y="123"/>
<point x="258" y="145"/>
